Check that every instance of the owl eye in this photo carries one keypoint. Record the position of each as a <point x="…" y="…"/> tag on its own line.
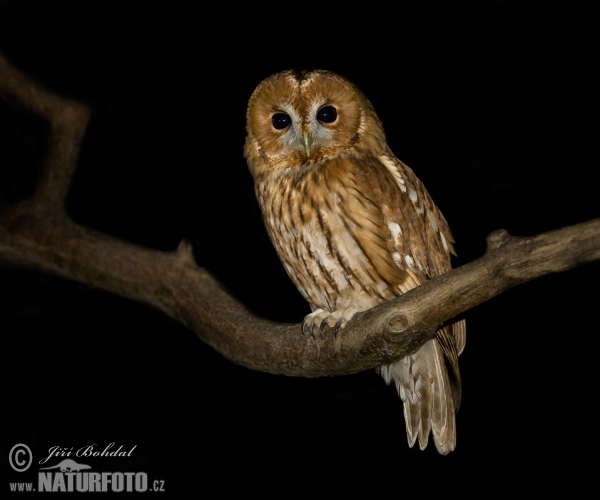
<point x="281" y="120"/>
<point x="327" y="114"/>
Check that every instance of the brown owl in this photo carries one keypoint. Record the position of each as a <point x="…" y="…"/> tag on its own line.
<point x="353" y="227"/>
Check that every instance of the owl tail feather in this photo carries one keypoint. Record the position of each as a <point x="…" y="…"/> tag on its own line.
<point x="429" y="399"/>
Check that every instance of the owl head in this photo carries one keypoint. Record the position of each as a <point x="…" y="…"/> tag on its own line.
<point x="299" y="118"/>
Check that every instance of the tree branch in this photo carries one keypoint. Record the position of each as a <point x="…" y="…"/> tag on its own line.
<point x="38" y="234"/>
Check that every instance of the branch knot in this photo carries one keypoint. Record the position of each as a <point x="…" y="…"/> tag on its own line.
<point x="496" y="239"/>
<point x="398" y="323"/>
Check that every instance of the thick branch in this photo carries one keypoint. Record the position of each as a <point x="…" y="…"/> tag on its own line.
<point x="173" y="283"/>
<point x="38" y="234"/>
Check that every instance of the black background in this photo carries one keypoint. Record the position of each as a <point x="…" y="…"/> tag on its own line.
<point x="490" y="102"/>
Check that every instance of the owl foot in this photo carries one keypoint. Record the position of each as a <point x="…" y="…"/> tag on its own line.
<point x="317" y="320"/>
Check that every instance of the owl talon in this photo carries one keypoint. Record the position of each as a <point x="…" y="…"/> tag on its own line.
<point x="335" y="320"/>
<point x="339" y="324"/>
<point x="307" y="329"/>
<point x="312" y="330"/>
<point x="321" y="326"/>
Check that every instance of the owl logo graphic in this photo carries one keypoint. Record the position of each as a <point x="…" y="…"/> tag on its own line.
<point x="68" y="465"/>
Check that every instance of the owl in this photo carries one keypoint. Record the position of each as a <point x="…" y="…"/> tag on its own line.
<point x="353" y="227"/>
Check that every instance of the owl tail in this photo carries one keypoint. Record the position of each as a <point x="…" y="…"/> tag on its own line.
<point x="430" y="398"/>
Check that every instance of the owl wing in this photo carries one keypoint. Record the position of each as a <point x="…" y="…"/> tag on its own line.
<point x="419" y="238"/>
<point x="420" y="243"/>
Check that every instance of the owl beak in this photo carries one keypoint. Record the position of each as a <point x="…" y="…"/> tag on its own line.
<point x="307" y="141"/>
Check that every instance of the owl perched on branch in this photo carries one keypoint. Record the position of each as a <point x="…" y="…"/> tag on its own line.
<point x="353" y="227"/>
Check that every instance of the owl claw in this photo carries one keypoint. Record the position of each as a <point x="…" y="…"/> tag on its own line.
<point x="321" y="326"/>
<point x="341" y="323"/>
<point x="312" y="329"/>
<point x="307" y="329"/>
<point x="314" y="319"/>
<point x="320" y="318"/>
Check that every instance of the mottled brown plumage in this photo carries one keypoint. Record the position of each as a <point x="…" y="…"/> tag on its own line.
<point x="353" y="226"/>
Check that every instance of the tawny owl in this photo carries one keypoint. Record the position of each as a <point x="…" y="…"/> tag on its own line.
<point x="353" y="227"/>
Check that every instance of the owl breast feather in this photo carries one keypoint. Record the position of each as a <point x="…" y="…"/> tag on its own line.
<point x="330" y="235"/>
